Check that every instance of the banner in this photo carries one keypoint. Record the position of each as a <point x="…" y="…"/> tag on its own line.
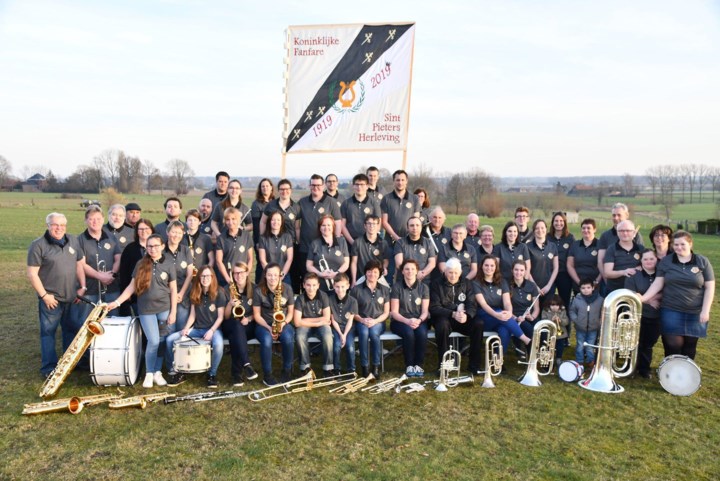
<point x="348" y="87"/>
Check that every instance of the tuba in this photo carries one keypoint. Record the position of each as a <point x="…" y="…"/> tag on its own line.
<point x="619" y="336"/>
<point x="91" y="327"/>
<point x="542" y="353"/>
<point x="238" y="312"/>
<point x="72" y="405"/>
<point x="493" y="360"/>
<point x="278" y="314"/>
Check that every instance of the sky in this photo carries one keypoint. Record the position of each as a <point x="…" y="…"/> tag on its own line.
<point x="515" y="87"/>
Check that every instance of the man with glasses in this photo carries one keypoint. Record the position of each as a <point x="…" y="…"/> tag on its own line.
<point x="522" y="218"/>
<point x="356" y="209"/>
<point x="622" y="259"/>
<point x="284" y="204"/>
<point x="312" y="208"/>
<point x="331" y="188"/>
<point x="54" y="267"/>
<point x="620" y="212"/>
<point x="369" y="247"/>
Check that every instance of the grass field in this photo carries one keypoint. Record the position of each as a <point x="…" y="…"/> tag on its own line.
<point x="557" y="431"/>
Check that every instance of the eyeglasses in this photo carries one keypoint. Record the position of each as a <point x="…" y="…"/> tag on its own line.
<point x="331" y="181"/>
<point x="522" y="216"/>
<point x="360" y="184"/>
<point x="57" y="225"/>
<point x="206" y="276"/>
<point x="317" y="186"/>
<point x="626" y="230"/>
<point x="284" y="189"/>
<point x="237" y="273"/>
<point x="148" y="247"/>
<point x="144" y="229"/>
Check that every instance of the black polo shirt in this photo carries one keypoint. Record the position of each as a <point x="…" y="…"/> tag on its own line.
<point x="366" y="251"/>
<point x="181" y="259"/>
<point x="684" y="283"/>
<point x="541" y="261"/>
<point x="276" y="247"/>
<point x="156" y="298"/>
<point x="466" y="255"/>
<point x="623" y="259"/>
<point x="266" y="302"/>
<point x="218" y="215"/>
<point x="200" y="249"/>
<point x="101" y="250"/>
<point x="123" y="236"/>
<point x="507" y="256"/>
<point x="371" y="302"/>
<point x="342" y="311"/>
<point x="562" y="244"/>
<point x="399" y="210"/>
<point x="354" y="212"/>
<point x="206" y="313"/>
<point x="491" y="293"/>
<point x="421" y="250"/>
<point x="234" y="249"/>
<point x="310" y="308"/>
<point x="290" y="215"/>
<point x="585" y="258"/>
<point x="214" y="197"/>
<point x="310" y="213"/>
<point x="58" y="265"/>
<point x="640" y="283"/>
<point x="410" y="297"/>
<point x="522" y="296"/>
<point x="610" y="237"/>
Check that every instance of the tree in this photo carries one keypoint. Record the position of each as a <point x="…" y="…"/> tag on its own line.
<point x="179" y="174"/>
<point x="600" y="191"/>
<point x="681" y="178"/>
<point x="422" y="176"/>
<point x="668" y="180"/>
<point x="152" y="176"/>
<point x="628" y="188"/>
<point x="702" y="179"/>
<point x="653" y="177"/>
<point x="5" y="170"/>
<point x="85" y="179"/>
<point x="477" y="183"/>
<point x="455" y="192"/>
<point x="108" y="162"/>
<point x="130" y="175"/>
<point x="713" y="179"/>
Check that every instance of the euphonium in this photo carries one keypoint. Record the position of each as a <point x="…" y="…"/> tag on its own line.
<point x="324" y="267"/>
<point x="278" y="314"/>
<point x="140" y="401"/>
<point x="72" y="405"/>
<point x="238" y="311"/>
<point x="91" y="327"/>
<point x="449" y="369"/>
<point x="493" y="360"/>
<point x="542" y="353"/>
<point x="619" y="336"/>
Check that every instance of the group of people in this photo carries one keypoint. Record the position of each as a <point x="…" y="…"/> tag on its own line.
<point x="338" y="268"/>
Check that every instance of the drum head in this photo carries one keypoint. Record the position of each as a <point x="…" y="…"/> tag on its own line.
<point x="570" y="371"/>
<point x="679" y="375"/>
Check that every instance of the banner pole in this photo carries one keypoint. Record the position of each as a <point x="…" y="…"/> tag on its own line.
<point x="282" y="168"/>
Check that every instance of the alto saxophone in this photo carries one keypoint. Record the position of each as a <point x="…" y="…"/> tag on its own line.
<point x="91" y="327"/>
<point x="278" y="314"/>
<point x="73" y="404"/>
<point x="238" y="311"/>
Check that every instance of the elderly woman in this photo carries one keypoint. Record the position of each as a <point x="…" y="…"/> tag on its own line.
<point x="563" y="239"/>
<point x="409" y="301"/>
<point x="660" y="240"/>
<point x="494" y="305"/>
<point x="154" y="283"/>
<point x="687" y="282"/>
<point x="622" y="259"/>
<point x="459" y="249"/>
<point x="582" y="257"/>
<point x="510" y="249"/>
<point x="415" y="246"/>
<point x="487" y="239"/>
<point x="328" y="255"/>
<point x="452" y="307"/>
<point x="233" y="245"/>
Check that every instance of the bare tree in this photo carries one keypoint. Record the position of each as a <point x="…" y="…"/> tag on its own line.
<point x="152" y="176"/>
<point x="455" y="192"/>
<point x="681" y="180"/>
<point x="179" y="175"/>
<point x="30" y="170"/>
<point x="85" y="179"/>
<point x="653" y="176"/>
<point x="423" y="176"/>
<point x="629" y="189"/>
<point x="669" y="179"/>
<point x="478" y="183"/>
<point x="713" y="179"/>
<point x="5" y="170"/>
<point x="130" y="174"/>
<point x="108" y="163"/>
<point x="702" y="178"/>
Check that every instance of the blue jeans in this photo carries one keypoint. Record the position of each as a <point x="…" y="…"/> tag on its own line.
<point x="585" y="353"/>
<point x="414" y="342"/>
<point x="153" y="351"/>
<point x="505" y="329"/>
<point x="287" y="342"/>
<point x="181" y="318"/>
<point x="349" y="349"/>
<point x="217" y="343"/>
<point x="324" y="333"/>
<point x="49" y="321"/>
<point x="363" y="332"/>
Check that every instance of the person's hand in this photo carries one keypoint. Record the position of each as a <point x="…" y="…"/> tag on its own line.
<point x="209" y="335"/>
<point x="50" y="301"/>
<point x="171" y="318"/>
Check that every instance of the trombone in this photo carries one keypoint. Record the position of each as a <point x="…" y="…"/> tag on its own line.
<point x="308" y="382"/>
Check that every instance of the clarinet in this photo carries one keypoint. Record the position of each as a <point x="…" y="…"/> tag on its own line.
<point x="205" y="396"/>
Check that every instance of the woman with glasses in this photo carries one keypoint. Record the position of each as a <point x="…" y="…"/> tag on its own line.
<point x="154" y="283"/>
<point x="459" y="249"/>
<point x="133" y="252"/>
<point x="239" y="326"/>
<point x="233" y="199"/>
<point x="660" y="236"/>
<point x="179" y="255"/>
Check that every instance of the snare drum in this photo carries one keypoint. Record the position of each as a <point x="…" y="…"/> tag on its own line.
<point x="679" y="375"/>
<point x="115" y="355"/>
<point x="191" y="356"/>
<point x="570" y="371"/>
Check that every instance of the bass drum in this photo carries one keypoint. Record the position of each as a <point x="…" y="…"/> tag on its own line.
<point x="570" y="371"/>
<point x="679" y="375"/>
<point x="115" y="355"/>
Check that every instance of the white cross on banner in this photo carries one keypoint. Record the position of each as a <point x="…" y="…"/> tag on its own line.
<point x="348" y="87"/>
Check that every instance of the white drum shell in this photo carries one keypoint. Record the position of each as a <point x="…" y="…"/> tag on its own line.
<point x="191" y="356"/>
<point x="570" y="371"/>
<point x="679" y="375"/>
<point x="115" y="355"/>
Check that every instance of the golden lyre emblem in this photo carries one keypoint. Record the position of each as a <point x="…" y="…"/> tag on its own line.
<point x="347" y="103"/>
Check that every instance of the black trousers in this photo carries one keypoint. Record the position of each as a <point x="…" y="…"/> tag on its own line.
<point x="649" y="334"/>
<point x="473" y="328"/>
<point x="237" y="335"/>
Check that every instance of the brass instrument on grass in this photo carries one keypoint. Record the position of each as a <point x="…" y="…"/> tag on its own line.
<point x="91" y="327"/>
<point x="323" y="264"/>
<point x="410" y="388"/>
<point x="301" y="384"/>
<point x="385" y="386"/>
<point x="278" y="314"/>
<point x="72" y="405"/>
<point x="619" y="336"/>
<point x="352" y="386"/>
<point x="542" y="353"/>
<point x="449" y="369"/>
<point x="238" y="312"/>
<point x="453" y="381"/>
<point x="493" y="360"/>
<point x="140" y="401"/>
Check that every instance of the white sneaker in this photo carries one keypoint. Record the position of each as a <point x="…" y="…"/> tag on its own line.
<point x="410" y="371"/>
<point x="148" y="382"/>
<point x="159" y="379"/>
<point x="419" y="372"/>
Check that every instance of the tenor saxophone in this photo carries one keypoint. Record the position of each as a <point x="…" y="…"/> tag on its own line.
<point x="72" y="405"/>
<point x="278" y="314"/>
<point x="91" y="327"/>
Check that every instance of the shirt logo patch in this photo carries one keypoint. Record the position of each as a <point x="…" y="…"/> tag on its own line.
<point x="71" y="250"/>
<point x="462" y="297"/>
<point x="466" y="255"/>
<point x="376" y="252"/>
<point x="321" y="210"/>
<point x="381" y="300"/>
<point x="499" y="292"/>
<point x="566" y="246"/>
<point x="551" y="255"/>
<point x="379" y="196"/>
<point x="211" y="308"/>
<point x="183" y="264"/>
<point x="695" y="270"/>
<point x="338" y="253"/>
<point x="408" y="205"/>
<point x="206" y="229"/>
<point x="529" y="297"/>
<point x="241" y="248"/>
<point x="636" y="256"/>
<point x="283" y="248"/>
<point x="198" y="250"/>
<point x="593" y="253"/>
<point x="422" y="251"/>
<point x="366" y="210"/>
<point x="163" y="275"/>
<point x="122" y="239"/>
<point x="107" y="246"/>
<point x="349" y="316"/>
<point x="291" y="216"/>
<point x="444" y="241"/>
<point x="418" y="301"/>
<point x="520" y="257"/>
<point x="249" y="302"/>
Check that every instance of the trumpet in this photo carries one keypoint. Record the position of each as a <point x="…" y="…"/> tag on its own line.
<point x="385" y="386"/>
<point x="542" y="353"/>
<point x="409" y="388"/>
<point x="140" y="401"/>
<point x="619" y="336"/>
<point x="278" y="314"/>
<point x="556" y="320"/>
<point x="238" y="311"/>
<point x="192" y="254"/>
<point x="323" y="264"/>
<point x="73" y="405"/>
<point x="353" y="386"/>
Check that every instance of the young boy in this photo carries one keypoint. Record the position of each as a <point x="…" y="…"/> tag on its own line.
<point x="585" y="312"/>
<point x="555" y="311"/>
<point x="312" y="316"/>
<point x="343" y="308"/>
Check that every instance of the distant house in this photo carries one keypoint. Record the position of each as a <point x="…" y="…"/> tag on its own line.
<point x="36" y="183"/>
<point x="581" y="190"/>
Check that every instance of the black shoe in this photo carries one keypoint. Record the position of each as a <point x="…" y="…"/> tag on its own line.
<point x="212" y="382"/>
<point x="645" y="374"/>
<point x="249" y="372"/>
<point x="305" y="372"/>
<point x="285" y="376"/>
<point x="328" y="373"/>
<point x="237" y="380"/>
<point x="269" y="380"/>
<point x="376" y="372"/>
<point x="365" y="371"/>
<point x="176" y="379"/>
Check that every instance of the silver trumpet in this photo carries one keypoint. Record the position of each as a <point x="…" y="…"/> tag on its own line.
<point x="493" y="360"/>
<point x="410" y="388"/>
<point x="619" y="336"/>
<point x="385" y="386"/>
<point x="542" y="353"/>
<point x="323" y="264"/>
<point x="449" y="369"/>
